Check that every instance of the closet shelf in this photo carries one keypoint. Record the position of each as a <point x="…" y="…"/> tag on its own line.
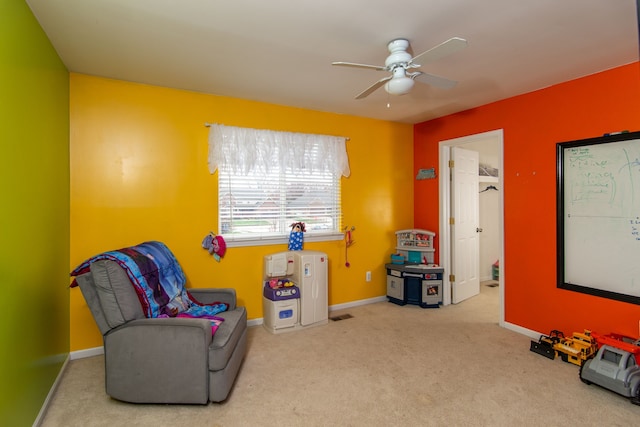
<point x="484" y="178"/>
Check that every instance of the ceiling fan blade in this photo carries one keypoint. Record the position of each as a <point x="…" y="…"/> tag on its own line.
<point x="353" y="64"/>
<point x="368" y="91"/>
<point x="443" y="49"/>
<point x="434" y="80"/>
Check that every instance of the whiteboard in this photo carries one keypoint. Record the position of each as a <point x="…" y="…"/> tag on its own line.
<point x="598" y="226"/>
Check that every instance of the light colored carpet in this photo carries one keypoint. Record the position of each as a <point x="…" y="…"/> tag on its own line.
<point x="386" y="366"/>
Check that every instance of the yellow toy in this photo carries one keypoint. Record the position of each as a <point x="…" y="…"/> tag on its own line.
<point x="577" y="348"/>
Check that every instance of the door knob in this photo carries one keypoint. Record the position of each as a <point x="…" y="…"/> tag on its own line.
<point x="478" y="230"/>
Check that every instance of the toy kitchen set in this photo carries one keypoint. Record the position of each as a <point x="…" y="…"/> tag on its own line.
<point x="412" y="277"/>
<point x="295" y="293"/>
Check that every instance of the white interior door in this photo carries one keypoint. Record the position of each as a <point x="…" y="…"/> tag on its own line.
<point x="465" y="242"/>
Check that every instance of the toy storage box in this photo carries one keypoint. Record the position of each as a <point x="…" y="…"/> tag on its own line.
<point x="495" y="270"/>
<point x="397" y="259"/>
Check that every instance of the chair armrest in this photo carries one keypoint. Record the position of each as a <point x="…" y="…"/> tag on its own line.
<point x="167" y="334"/>
<point x="149" y="360"/>
<point x="211" y="295"/>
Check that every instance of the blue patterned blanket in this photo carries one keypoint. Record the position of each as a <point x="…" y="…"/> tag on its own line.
<point x="158" y="280"/>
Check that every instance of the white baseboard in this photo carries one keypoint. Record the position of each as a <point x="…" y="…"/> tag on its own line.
<point x="90" y="352"/>
<point x="255" y="322"/>
<point x="357" y="303"/>
<point x="52" y="390"/>
<point x="524" y="331"/>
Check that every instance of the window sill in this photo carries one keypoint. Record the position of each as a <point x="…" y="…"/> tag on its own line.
<point x="237" y="241"/>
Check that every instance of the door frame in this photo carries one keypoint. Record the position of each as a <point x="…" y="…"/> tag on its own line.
<point x="445" y="210"/>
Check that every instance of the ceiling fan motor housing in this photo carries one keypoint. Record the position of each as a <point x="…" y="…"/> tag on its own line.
<point x="399" y="55"/>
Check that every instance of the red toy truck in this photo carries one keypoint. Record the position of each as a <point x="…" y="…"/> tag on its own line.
<point x="622" y="342"/>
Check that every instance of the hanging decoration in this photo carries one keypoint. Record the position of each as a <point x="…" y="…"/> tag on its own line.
<point x="296" y="237"/>
<point x="215" y="244"/>
<point x="348" y="238"/>
<point x="426" y="174"/>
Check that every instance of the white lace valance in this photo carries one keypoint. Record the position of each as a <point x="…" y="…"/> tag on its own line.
<point x="247" y="150"/>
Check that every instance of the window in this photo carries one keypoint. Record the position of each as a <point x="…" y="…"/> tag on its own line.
<point x="255" y="205"/>
<point x="611" y="356"/>
<point x="269" y="180"/>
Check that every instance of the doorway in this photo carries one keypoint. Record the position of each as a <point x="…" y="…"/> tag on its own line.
<point x="446" y="256"/>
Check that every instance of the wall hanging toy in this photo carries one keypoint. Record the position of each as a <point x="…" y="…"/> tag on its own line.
<point x="296" y="237"/>
<point x="215" y="245"/>
<point x="348" y="239"/>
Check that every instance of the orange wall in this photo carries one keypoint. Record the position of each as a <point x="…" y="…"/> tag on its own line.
<point x="533" y="123"/>
<point x="139" y="172"/>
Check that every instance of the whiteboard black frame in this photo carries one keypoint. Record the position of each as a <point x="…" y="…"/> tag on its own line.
<point x="561" y="148"/>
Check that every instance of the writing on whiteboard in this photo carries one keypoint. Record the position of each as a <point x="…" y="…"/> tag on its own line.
<point x="603" y="184"/>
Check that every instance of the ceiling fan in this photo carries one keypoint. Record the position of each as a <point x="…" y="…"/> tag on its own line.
<point x="400" y="63"/>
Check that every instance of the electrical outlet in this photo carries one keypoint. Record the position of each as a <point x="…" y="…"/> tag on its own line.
<point x="368" y="276"/>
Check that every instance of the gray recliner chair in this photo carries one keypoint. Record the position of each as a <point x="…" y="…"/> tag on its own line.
<point x="163" y="360"/>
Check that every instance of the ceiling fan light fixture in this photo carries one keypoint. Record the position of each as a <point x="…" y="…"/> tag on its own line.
<point x="400" y="84"/>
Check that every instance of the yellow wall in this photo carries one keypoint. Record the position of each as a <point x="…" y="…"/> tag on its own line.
<point x="139" y="172"/>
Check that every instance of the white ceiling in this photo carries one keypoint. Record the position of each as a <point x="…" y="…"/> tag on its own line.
<point x="280" y="51"/>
